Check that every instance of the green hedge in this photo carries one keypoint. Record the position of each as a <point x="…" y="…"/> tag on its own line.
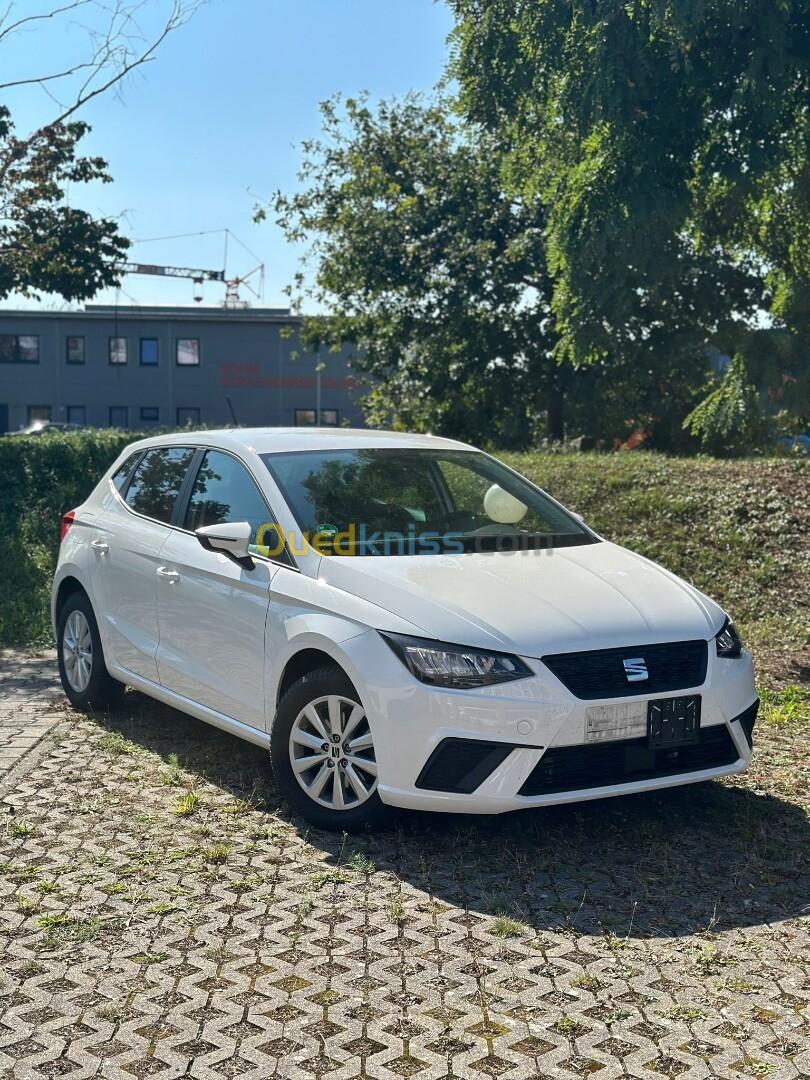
<point x="42" y="476"/>
<point x="740" y="530"/>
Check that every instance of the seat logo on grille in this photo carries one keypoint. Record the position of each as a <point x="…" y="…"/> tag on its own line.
<point x="635" y="669"/>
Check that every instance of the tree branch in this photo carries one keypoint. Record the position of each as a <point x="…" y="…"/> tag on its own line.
<point x="4" y="32"/>
<point x="42" y="79"/>
<point x="118" y="49"/>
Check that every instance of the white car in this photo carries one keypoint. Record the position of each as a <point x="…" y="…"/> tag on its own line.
<point x="402" y="620"/>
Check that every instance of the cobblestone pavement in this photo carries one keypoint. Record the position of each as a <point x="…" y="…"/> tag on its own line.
<point x="28" y="699"/>
<point x="162" y="916"/>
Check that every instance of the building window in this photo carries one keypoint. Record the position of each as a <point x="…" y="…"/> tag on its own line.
<point x="188" y="351"/>
<point x="150" y="353"/>
<point x="77" y="414"/>
<point x="74" y="350"/>
<point x="19" y="349"/>
<point x="119" y="416"/>
<point x="118" y="350"/>
<point x="38" y="412"/>
<point x="306" y="418"/>
<point x="187" y="415"/>
<point x="150" y="414"/>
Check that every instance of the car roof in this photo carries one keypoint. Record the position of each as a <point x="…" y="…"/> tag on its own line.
<point x="273" y="440"/>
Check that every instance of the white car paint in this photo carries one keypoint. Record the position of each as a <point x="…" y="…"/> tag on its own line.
<point x="192" y="629"/>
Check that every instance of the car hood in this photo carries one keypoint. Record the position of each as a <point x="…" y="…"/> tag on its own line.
<point x="532" y="603"/>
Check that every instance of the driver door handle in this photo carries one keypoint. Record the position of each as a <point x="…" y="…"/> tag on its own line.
<point x="168" y="575"/>
<point x="100" y="546"/>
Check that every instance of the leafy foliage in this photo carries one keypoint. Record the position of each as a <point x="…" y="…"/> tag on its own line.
<point x="439" y="277"/>
<point x="669" y="139"/>
<point x="728" y="421"/>
<point x="46" y="245"/>
<point x="41" y="477"/>
<point x="429" y="268"/>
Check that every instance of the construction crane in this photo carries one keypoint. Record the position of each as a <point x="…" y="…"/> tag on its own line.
<point x="198" y="277"/>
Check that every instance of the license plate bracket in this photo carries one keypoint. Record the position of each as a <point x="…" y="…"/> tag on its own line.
<point x="673" y="721"/>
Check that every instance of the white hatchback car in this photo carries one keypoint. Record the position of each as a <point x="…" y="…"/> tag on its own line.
<point x="402" y="620"/>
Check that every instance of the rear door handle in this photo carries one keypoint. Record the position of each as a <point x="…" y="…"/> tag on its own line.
<point x="101" y="546"/>
<point x="168" y="575"/>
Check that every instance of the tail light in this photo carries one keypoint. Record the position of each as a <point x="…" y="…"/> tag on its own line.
<point x="67" y="521"/>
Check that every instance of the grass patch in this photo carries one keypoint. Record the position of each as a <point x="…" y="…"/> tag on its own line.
<point x="64" y="928"/>
<point x="186" y="804"/>
<point x="567" y="1025"/>
<point x="361" y="863"/>
<point x="504" y="927"/>
<point x="334" y="876"/>
<point x="20" y="829"/>
<point x="786" y="707"/>
<point x="115" y="743"/>
<point x="216" y="854"/>
<point x="396" y="912"/>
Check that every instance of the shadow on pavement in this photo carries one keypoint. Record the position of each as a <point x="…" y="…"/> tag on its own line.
<point x="670" y="863"/>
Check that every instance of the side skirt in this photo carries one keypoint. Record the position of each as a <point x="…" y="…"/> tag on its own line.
<point x="192" y="708"/>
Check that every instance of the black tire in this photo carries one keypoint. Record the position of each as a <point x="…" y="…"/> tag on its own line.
<point x="324" y="682"/>
<point x="102" y="690"/>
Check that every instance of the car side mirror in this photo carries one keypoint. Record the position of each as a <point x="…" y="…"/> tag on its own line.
<point x="231" y="539"/>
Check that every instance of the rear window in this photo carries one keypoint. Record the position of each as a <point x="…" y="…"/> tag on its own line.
<point x="157" y="480"/>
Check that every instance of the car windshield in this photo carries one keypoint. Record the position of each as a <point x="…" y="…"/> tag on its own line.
<point x="378" y="501"/>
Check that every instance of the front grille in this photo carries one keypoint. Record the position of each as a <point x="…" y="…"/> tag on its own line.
<point x="600" y="673"/>
<point x="462" y="765"/>
<point x="573" y="768"/>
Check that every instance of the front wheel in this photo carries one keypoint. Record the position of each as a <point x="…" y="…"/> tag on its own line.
<point x="82" y="669"/>
<point x="323" y="756"/>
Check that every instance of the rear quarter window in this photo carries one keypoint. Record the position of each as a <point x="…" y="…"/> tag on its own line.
<point x="121" y="475"/>
<point x="157" y="481"/>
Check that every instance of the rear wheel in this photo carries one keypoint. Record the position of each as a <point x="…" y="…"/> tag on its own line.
<point x="323" y="755"/>
<point x="82" y="668"/>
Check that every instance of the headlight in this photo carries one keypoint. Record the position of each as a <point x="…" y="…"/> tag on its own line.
<point x="728" y="641"/>
<point x="455" y="666"/>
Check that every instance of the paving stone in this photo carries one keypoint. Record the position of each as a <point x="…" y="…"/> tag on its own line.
<point x="665" y="935"/>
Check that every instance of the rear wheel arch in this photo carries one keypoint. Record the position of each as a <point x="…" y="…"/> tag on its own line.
<point x="83" y="672"/>
<point x="67" y="587"/>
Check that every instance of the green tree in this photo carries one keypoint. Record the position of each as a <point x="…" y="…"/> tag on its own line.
<point x="434" y="273"/>
<point x="670" y="140"/>
<point x="47" y="246"/>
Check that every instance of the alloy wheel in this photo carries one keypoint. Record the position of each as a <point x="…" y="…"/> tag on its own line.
<point x="332" y="752"/>
<point x="77" y="651"/>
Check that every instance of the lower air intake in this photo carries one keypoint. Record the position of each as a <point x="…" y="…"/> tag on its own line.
<point x="462" y="765"/>
<point x="573" y="768"/>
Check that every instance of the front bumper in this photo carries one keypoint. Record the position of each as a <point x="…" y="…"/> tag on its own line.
<point x="520" y="722"/>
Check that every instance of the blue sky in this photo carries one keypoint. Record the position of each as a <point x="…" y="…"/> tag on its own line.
<point x="218" y="114"/>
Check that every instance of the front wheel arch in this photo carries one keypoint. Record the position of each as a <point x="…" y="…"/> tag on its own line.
<point x="323" y="682"/>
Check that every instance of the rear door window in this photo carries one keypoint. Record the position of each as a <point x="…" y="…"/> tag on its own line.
<point x="157" y="480"/>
